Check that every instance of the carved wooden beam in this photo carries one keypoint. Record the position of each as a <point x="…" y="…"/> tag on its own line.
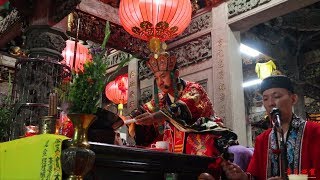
<point x="244" y="14"/>
<point x="62" y="8"/>
<point x="92" y="28"/>
<point x="113" y="3"/>
<point x="236" y="7"/>
<point x="10" y="27"/>
<point x="101" y="9"/>
<point x="49" y="11"/>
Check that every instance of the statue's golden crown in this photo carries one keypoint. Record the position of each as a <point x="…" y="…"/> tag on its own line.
<point x="164" y="62"/>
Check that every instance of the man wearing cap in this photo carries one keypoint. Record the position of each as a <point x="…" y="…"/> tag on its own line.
<point x="300" y="137"/>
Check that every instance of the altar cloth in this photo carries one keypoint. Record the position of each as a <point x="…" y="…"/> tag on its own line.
<point x="36" y="157"/>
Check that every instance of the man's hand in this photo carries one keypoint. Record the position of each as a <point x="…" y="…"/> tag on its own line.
<point x="150" y="118"/>
<point x="233" y="171"/>
<point x="124" y="118"/>
<point x="205" y="176"/>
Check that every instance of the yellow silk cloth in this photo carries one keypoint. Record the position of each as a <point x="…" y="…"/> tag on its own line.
<point x="36" y="157"/>
<point x="264" y="70"/>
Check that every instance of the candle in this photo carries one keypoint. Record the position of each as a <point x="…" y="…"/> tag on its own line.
<point x="53" y="104"/>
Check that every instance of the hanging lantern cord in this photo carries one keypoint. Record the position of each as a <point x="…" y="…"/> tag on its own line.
<point x="75" y="45"/>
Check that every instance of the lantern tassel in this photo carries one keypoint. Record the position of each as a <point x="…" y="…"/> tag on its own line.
<point x="120" y="108"/>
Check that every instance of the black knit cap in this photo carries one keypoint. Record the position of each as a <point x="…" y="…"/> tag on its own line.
<point x="276" y="81"/>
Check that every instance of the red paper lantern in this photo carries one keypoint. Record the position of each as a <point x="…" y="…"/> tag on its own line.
<point x="117" y="91"/>
<point x="2" y="2"/>
<point x="160" y="19"/>
<point x="82" y="55"/>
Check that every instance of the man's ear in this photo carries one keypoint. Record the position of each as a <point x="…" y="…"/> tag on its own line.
<point x="294" y="98"/>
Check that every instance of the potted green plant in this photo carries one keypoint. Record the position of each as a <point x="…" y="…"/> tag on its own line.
<point x="83" y="95"/>
<point x="83" y="92"/>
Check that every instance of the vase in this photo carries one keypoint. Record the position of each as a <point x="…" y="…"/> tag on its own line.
<point x="77" y="160"/>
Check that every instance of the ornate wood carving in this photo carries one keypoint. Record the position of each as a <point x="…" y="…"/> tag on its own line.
<point x="146" y="95"/>
<point x="236" y="7"/>
<point x="92" y="28"/>
<point x="197" y="24"/>
<point x="62" y="8"/>
<point x="45" y="41"/>
<point x="144" y="71"/>
<point x="4" y="73"/>
<point x="115" y="58"/>
<point x="194" y="51"/>
<point x="10" y="27"/>
<point x="12" y="18"/>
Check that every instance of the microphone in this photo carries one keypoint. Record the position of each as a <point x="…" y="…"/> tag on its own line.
<point x="275" y="112"/>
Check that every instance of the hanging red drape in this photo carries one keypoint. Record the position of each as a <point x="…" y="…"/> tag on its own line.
<point x="82" y="55"/>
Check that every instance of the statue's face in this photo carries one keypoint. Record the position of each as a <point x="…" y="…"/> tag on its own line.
<point x="163" y="81"/>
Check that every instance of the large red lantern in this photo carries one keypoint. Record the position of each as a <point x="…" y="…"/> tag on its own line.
<point x="155" y="20"/>
<point x="82" y="55"/>
<point x="117" y="91"/>
<point x="2" y="2"/>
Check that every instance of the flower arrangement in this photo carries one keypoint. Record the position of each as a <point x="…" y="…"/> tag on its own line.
<point x="83" y="93"/>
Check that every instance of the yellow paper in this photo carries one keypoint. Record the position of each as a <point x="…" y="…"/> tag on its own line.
<point x="36" y="157"/>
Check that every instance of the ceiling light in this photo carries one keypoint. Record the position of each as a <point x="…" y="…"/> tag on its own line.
<point x="251" y="83"/>
<point x="249" y="51"/>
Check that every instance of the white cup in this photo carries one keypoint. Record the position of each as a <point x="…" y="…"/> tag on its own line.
<point x="298" y="176"/>
<point x="161" y="145"/>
